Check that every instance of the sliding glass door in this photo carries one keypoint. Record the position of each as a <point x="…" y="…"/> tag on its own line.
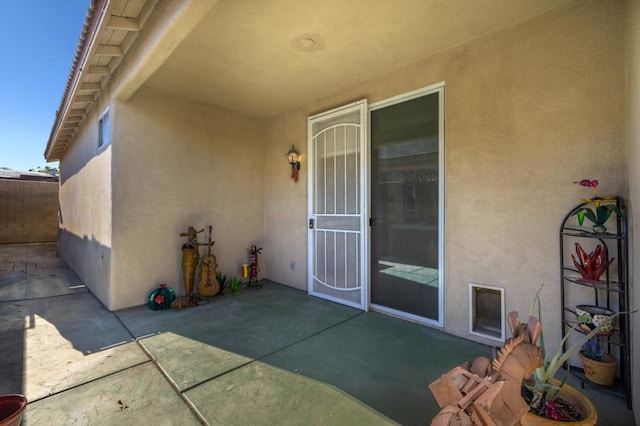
<point x="406" y="206"/>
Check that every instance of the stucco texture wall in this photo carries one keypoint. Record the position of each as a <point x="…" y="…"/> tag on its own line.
<point x="633" y="138"/>
<point x="181" y="163"/>
<point x="28" y="211"/>
<point x="85" y="208"/>
<point x="529" y="110"/>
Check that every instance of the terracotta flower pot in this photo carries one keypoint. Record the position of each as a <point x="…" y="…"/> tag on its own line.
<point x="572" y="396"/>
<point x="11" y="408"/>
<point x="600" y="372"/>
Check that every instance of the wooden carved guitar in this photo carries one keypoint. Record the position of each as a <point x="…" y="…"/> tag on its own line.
<point x="208" y="284"/>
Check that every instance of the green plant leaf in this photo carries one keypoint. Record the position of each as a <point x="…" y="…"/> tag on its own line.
<point x="536" y="301"/>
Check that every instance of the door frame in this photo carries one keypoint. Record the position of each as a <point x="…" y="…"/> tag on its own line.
<point x="434" y="88"/>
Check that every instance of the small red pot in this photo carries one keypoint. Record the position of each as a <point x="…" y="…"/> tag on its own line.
<point x="11" y="408"/>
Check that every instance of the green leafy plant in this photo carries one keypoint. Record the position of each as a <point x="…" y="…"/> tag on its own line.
<point x="222" y="280"/>
<point x="235" y="284"/>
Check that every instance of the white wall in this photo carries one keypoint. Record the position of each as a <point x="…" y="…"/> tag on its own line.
<point x="181" y="163"/>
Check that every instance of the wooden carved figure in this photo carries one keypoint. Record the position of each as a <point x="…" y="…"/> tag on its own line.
<point x="190" y="258"/>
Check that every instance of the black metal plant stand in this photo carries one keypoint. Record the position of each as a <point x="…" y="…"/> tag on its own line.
<point x="610" y="292"/>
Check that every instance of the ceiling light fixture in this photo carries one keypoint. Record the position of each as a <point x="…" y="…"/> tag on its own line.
<point x="308" y="42"/>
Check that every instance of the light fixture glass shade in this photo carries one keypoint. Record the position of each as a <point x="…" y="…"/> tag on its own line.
<point x="292" y="155"/>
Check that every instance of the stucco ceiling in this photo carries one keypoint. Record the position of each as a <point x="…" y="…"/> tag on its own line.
<point x="254" y="56"/>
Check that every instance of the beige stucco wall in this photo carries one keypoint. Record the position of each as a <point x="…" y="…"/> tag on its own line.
<point x="181" y="163"/>
<point x="633" y="138"/>
<point x="85" y="207"/>
<point x="529" y="110"/>
<point x="286" y="201"/>
<point x="28" y="211"/>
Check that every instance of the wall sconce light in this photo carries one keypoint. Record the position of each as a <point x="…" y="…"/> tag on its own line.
<point x="293" y="156"/>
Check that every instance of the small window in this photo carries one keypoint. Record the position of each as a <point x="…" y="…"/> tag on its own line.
<point x="104" y="134"/>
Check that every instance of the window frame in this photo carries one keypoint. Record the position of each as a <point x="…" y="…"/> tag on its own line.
<point x="104" y="138"/>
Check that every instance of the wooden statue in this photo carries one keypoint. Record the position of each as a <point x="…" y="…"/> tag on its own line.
<point x="488" y="392"/>
<point x="208" y="284"/>
<point x="190" y="257"/>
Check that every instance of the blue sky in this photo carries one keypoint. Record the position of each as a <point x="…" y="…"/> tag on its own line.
<point x="38" y="40"/>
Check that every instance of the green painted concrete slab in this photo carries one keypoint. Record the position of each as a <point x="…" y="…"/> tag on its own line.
<point x="260" y="394"/>
<point x="190" y="362"/>
<point x="46" y="380"/>
<point x="384" y="362"/>
<point x="307" y="348"/>
<point x="254" y="324"/>
<point x="137" y="396"/>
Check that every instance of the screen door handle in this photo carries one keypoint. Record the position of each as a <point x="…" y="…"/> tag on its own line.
<point x="372" y="221"/>
<point x="311" y="223"/>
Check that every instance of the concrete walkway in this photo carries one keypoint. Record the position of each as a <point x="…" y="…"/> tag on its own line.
<point x="273" y="356"/>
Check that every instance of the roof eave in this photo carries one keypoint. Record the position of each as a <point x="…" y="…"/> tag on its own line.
<point x="95" y="15"/>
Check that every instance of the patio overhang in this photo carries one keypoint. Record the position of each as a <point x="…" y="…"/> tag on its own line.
<point x="115" y="32"/>
<point x="261" y="58"/>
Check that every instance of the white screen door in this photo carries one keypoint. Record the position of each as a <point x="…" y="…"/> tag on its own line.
<point x="337" y="258"/>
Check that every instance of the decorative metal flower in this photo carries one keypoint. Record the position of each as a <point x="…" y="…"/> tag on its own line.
<point x="603" y="206"/>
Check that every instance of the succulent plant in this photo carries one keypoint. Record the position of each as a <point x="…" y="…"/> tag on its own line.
<point x="223" y="280"/>
<point x="235" y="284"/>
<point x="592" y="350"/>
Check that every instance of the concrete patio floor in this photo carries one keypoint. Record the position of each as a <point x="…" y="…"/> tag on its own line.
<point x="269" y="356"/>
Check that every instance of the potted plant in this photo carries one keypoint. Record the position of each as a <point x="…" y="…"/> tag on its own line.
<point x="551" y="400"/>
<point x="603" y="208"/>
<point x="599" y="366"/>
<point x="11" y="409"/>
<point x="519" y="387"/>
<point x="235" y="284"/>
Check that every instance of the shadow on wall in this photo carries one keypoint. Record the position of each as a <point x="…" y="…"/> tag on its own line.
<point x="69" y="167"/>
<point x="89" y="260"/>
